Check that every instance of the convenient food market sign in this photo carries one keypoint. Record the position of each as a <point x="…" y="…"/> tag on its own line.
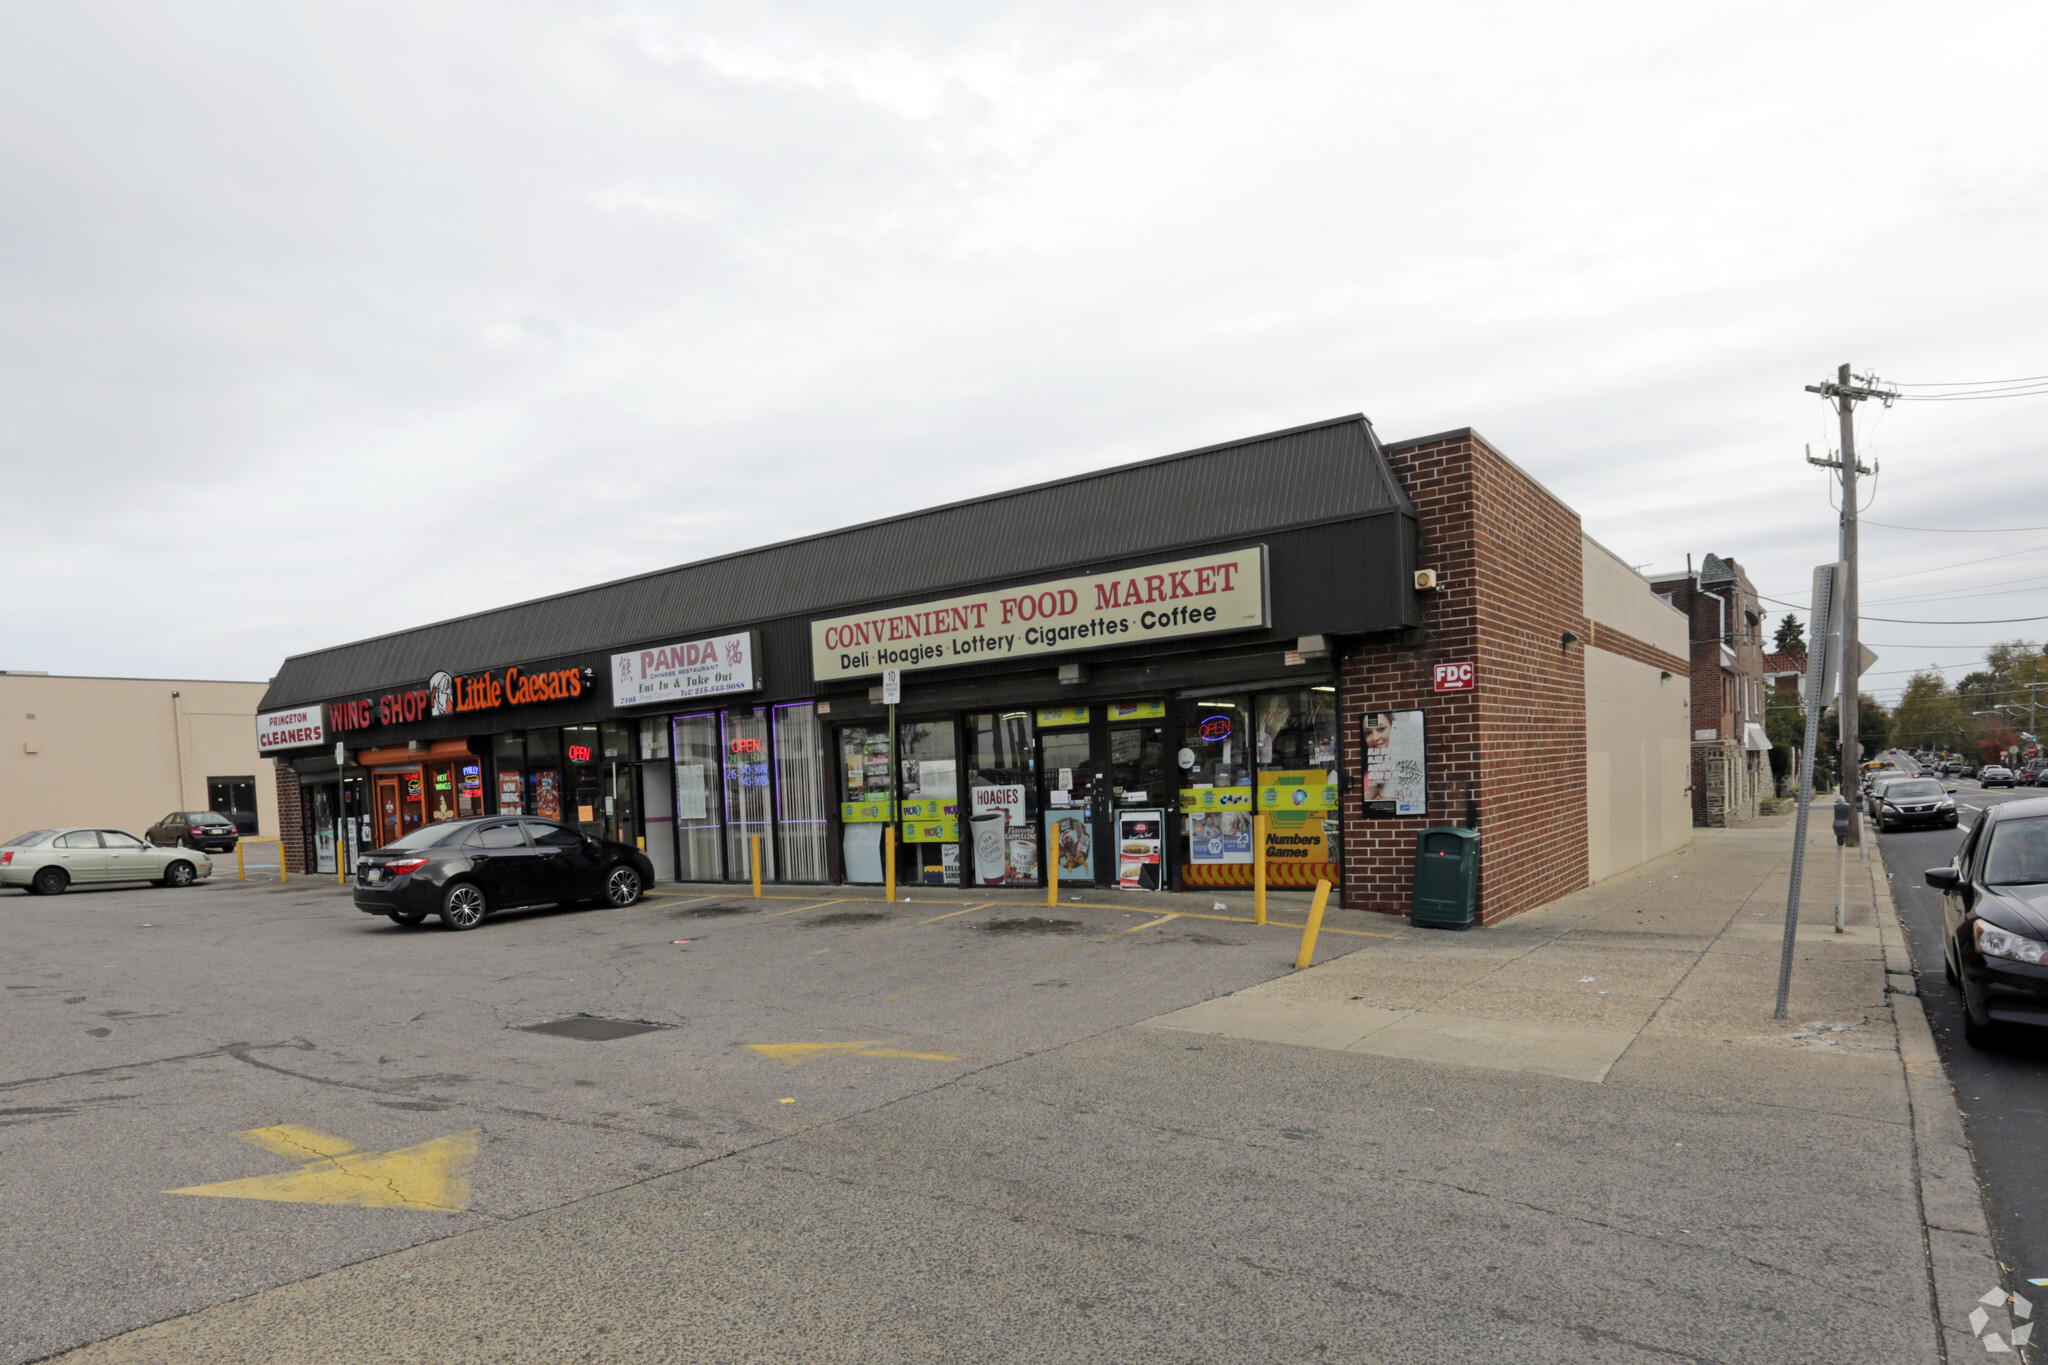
<point x="1197" y="596"/>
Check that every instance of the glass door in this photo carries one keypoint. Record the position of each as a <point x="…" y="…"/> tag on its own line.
<point x="801" y="793"/>
<point x="928" y="839"/>
<point x="1216" y="766"/>
<point x="1137" y="783"/>
<point x="867" y="799"/>
<point x="1001" y="838"/>
<point x="700" y="813"/>
<point x="1298" y="787"/>
<point x="1068" y="788"/>
<point x="749" y="808"/>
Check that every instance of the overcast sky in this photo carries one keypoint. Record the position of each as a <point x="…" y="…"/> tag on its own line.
<point x="321" y="322"/>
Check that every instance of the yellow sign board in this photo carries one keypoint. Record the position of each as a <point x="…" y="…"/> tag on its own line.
<point x="1063" y="715"/>
<point x="931" y="832"/>
<point x="1137" y="710"/>
<point x="864" y="812"/>
<point x="1303" y="789"/>
<point x="939" y="808"/>
<point x="1297" y="836"/>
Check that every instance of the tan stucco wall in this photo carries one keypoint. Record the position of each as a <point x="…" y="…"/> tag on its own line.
<point x="1638" y="746"/>
<point x="107" y="752"/>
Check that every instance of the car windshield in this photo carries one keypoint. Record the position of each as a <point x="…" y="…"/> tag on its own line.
<point x="2019" y="853"/>
<point x="1910" y="789"/>
<point x="428" y="836"/>
<point x="34" y="836"/>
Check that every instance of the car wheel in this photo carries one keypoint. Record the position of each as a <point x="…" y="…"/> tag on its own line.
<point x="621" y="886"/>
<point x="463" y="907"/>
<point x="1985" y="1035"/>
<point x="180" y="874"/>
<point x="51" y="881"/>
<point x="407" y="919"/>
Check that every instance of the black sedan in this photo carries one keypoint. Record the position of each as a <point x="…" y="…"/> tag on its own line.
<point x="205" y="829"/>
<point x="1994" y="918"/>
<point x="1916" y="803"/>
<point x="463" y="870"/>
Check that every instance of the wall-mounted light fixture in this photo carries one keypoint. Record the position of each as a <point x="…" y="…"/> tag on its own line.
<point x="1664" y="675"/>
<point x="1569" y="640"/>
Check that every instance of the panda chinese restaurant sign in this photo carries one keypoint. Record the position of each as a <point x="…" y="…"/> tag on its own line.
<point x="682" y="669"/>
<point x="1213" y="592"/>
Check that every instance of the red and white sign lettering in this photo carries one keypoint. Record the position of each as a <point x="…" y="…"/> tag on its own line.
<point x="1462" y="677"/>
<point x="294" y="729"/>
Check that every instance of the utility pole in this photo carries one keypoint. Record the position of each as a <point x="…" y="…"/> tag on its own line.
<point x="1847" y="391"/>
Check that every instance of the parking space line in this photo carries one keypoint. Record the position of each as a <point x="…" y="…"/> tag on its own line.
<point x="808" y="905"/>
<point x="1025" y="962"/>
<point x="1271" y="922"/>
<point x="950" y="913"/>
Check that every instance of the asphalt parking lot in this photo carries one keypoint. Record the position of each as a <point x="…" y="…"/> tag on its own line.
<point x="392" y="1069"/>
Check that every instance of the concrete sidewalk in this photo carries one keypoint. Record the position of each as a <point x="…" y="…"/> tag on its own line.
<point x="1578" y="1136"/>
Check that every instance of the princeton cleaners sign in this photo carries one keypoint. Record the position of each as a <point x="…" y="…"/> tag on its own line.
<point x="1127" y="607"/>
<point x="289" y="730"/>
<point x="683" y="669"/>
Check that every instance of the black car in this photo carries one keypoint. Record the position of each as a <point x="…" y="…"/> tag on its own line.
<point x="209" y="830"/>
<point x="1915" y="802"/>
<point x="463" y="870"/>
<point x="1994" y="918"/>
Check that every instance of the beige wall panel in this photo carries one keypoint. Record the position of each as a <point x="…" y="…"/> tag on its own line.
<point x="108" y="752"/>
<point x="1618" y="596"/>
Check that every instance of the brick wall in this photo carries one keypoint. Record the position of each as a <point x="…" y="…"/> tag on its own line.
<point x="1507" y="555"/>
<point x="291" y="818"/>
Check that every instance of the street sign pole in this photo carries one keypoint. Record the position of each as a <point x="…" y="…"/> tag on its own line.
<point x="1826" y="578"/>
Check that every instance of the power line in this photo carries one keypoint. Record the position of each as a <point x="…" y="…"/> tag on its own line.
<point x="1918" y="573"/>
<point x="1965" y="383"/>
<point x="1957" y="530"/>
<point x="1995" y="621"/>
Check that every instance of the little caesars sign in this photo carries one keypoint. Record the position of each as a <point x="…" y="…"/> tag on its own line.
<point x="1128" y="607"/>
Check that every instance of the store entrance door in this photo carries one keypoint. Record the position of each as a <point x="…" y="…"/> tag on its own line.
<point x="399" y="805"/>
<point x="1070" y="791"/>
<point x="622" y="804"/>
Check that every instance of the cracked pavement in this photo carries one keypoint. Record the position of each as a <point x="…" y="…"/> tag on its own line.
<point x="1076" y="1185"/>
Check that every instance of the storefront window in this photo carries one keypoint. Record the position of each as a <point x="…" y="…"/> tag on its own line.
<point x="508" y="763"/>
<point x="544" y="773"/>
<point x="749" y="805"/>
<point x="1002" y="813"/>
<point x="1216" y="759"/>
<point x="619" y="811"/>
<point x="801" y="793"/>
<point x="1297" y="785"/>
<point x="867" y="804"/>
<point x="928" y="840"/>
<point x="582" y="779"/>
<point x="699" y="817"/>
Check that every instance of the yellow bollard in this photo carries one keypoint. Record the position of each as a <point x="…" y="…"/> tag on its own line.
<point x="241" y="873"/>
<point x="1259" y="869"/>
<point x="1315" y="924"/>
<point x="284" y="874"/>
<point x="755" y="850"/>
<point x="889" y="862"/>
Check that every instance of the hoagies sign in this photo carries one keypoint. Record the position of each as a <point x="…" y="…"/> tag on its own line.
<point x="1127" y="607"/>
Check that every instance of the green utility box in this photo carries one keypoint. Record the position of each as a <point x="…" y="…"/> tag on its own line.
<point x="1446" y="879"/>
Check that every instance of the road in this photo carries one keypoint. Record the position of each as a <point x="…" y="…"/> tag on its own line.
<point x="2003" y="1093"/>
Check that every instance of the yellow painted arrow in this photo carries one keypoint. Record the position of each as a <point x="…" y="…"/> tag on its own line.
<point x="431" y="1175"/>
<point x="796" y="1053"/>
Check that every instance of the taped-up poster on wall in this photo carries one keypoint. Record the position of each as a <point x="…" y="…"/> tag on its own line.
<point x="1396" y="764"/>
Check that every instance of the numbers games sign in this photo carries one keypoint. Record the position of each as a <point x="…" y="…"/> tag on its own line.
<point x="1215" y="592"/>
<point x="685" y="669"/>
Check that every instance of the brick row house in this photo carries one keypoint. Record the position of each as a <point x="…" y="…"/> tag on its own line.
<point x="1731" y="768"/>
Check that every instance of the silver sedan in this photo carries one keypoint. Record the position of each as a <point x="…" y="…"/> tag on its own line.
<point x="47" y="861"/>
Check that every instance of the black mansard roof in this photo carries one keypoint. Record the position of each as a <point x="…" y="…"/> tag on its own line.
<point x="1327" y="471"/>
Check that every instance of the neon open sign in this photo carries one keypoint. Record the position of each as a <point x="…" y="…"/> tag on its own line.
<point x="1214" y="728"/>
<point x="745" y="746"/>
<point x="579" y="753"/>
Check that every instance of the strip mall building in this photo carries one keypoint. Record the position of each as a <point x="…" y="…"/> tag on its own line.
<point x="1102" y="679"/>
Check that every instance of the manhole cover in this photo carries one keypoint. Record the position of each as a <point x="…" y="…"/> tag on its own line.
<point x="592" y="1029"/>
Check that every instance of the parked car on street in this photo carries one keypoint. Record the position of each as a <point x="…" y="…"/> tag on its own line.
<point x="1916" y="803"/>
<point x="1873" y="794"/>
<point x="205" y="829"/>
<point x="1994" y="775"/>
<point x="465" y="869"/>
<point x="1994" y="918"/>
<point x="47" y="861"/>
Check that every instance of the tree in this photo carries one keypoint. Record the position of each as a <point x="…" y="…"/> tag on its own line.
<point x="1791" y="637"/>
<point x="1930" y="713"/>
<point x="1873" y="729"/>
<point x="1785" y="723"/>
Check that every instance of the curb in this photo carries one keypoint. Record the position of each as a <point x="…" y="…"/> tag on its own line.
<point x="1960" y="1261"/>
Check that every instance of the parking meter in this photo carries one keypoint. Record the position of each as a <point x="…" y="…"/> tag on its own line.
<point x="1842" y="812"/>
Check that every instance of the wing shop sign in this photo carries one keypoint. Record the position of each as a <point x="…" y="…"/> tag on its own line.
<point x="682" y="670"/>
<point x="1213" y="592"/>
<point x="451" y="694"/>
